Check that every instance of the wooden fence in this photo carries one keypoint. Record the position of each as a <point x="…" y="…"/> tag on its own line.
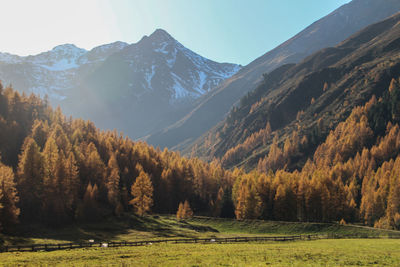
<point x="51" y="247"/>
<point x="360" y="236"/>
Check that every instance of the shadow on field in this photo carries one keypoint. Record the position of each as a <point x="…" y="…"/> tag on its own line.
<point x="128" y="227"/>
<point x="168" y="227"/>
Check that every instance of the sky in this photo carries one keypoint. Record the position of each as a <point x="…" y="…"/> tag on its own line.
<point x="236" y="31"/>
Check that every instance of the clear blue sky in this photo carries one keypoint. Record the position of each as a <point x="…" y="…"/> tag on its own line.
<point x="235" y="31"/>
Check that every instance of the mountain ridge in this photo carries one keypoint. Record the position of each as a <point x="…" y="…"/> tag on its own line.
<point x="309" y="98"/>
<point x="213" y="107"/>
<point x="118" y="81"/>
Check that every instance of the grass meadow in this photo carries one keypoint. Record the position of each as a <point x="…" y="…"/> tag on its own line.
<point x="325" y="252"/>
<point x="330" y="252"/>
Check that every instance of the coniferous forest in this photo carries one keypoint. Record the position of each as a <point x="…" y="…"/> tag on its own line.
<point x="317" y="141"/>
<point x="57" y="170"/>
<point x="258" y="140"/>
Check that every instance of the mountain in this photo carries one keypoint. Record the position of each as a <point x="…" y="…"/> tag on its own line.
<point x="323" y="133"/>
<point x="146" y="85"/>
<point x="326" y="32"/>
<point x="134" y="88"/>
<point x="53" y="72"/>
<point x="306" y="101"/>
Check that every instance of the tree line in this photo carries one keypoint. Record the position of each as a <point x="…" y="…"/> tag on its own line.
<point x="57" y="170"/>
<point x="353" y="175"/>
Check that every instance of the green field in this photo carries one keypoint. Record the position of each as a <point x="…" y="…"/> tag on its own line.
<point x="132" y="228"/>
<point x="330" y="252"/>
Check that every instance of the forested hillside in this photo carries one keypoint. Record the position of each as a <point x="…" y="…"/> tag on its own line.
<point x="56" y="170"/>
<point x="353" y="175"/>
<point x="323" y="136"/>
<point x="327" y="32"/>
<point x="322" y="139"/>
<point x="302" y="103"/>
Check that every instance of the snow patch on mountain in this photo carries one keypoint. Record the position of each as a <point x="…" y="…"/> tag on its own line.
<point x="162" y="48"/>
<point x="201" y="82"/>
<point x="149" y="76"/>
<point x="172" y="58"/>
<point x="60" y="58"/>
<point x="189" y="81"/>
<point x="156" y="63"/>
<point x="63" y="64"/>
<point x="179" y="91"/>
<point x="53" y="72"/>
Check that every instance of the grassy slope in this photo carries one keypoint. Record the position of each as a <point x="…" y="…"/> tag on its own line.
<point x="258" y="227"/>
<point x="381" y="252"/>
<point x="131" y="228"/>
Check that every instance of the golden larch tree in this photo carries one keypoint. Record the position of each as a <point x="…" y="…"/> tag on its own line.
<point x="184" y="211"/>
<point x="188" y="212"/>
<point x="8" y="198"/>
<point x="179" y="213"/>
<point x="142" y="192"/>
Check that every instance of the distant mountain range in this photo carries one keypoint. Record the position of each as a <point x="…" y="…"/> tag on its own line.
<point x="53" y="72"/>
<point x="326" y="32"/>
<point x="135" y="88"/>
<point x="159" y="90"/>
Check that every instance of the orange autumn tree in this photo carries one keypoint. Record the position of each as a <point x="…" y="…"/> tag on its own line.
<point x="142" y="191"/>
<point x="184" y="211"/>
<point x="9" y="211"/>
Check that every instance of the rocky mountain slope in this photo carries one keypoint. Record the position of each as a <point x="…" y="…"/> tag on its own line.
<point x="326" y="32"/>
<point x="301" y="103"/>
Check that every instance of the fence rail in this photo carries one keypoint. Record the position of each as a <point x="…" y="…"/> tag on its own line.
<point x="51" y="247"/>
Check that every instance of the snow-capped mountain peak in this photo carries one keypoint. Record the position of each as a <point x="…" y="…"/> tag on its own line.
<point x="162" y="64"/>
<point x="60" y="58"/>
<point x="68" y="49"/>
<point x="156" y="76"/>
<point x="52" y="72"/>
<point x="156" y="66"/>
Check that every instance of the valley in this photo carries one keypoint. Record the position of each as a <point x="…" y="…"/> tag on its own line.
<point x="291" y="159"/>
